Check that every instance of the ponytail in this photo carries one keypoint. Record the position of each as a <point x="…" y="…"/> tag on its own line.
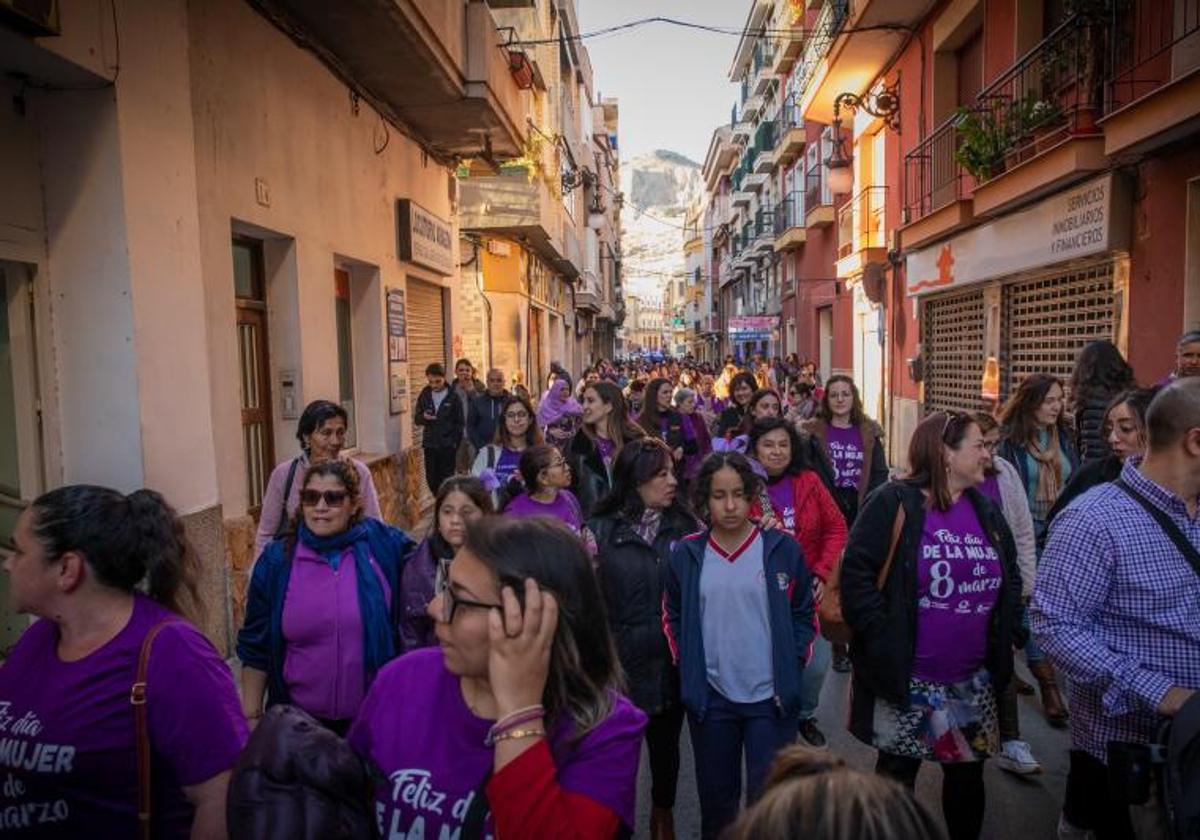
<point x="127" y="541"/>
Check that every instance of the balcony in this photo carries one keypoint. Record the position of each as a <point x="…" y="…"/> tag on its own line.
<point x="818" y="198"/>
<point x="787" y="50"/>
<point x="761" y="68"/>
<point x="935" y="201"/>
<point x="1035" y="127"/>
<point x="862" y="238"/>
<point x="1152" y="89"/>
<point x="853" y="47"/>
<point x="436" y="68"/>
<point x="755" y="181"/>
<point x="790" y="145"/>
<point x="764" y="145"/>
<point x="753" y="105"/>
<point x="521" y="206"/>
<point x="789" y="222"/>
<point x="764" y="229"/>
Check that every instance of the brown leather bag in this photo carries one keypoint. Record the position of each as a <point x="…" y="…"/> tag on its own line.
<point x="141" y="724"/>
<point x="833" y="623"/>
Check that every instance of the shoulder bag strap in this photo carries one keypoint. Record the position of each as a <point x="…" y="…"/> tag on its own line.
<point x="141" y="723"/>
<point x="897" y="532"/>
<point x="287" y="491"/>
<point x="491" y="450"/>
<point x="1189" y="551"/>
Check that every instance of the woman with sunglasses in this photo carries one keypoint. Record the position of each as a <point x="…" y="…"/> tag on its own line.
<point x="461" y="500"/>
<point x="498" y="463"/>
<point x="546" y="476"/>
<point x="931" y="589"/>
<point x="322" y="609"/>
<point x="634" y="529"/>
<point x="321" y="431"/>
<point x="514" y="727"/>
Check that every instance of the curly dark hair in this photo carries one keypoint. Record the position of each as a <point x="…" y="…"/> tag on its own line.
<point x="800" y="455"/>
<point x="1100" y="373"/>
<point x="638" y="462"/>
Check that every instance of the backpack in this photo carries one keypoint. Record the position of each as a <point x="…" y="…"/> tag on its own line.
<point x="297" y="780"/>
<point x="1182" y="772"/>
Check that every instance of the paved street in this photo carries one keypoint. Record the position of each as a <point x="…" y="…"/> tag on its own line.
<point x="1017" y="809"/>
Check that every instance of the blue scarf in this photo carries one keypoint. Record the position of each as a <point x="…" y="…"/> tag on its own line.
<point x="379" y="644"/>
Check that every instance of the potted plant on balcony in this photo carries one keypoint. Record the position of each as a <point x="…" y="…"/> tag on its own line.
<point x="983" y="139"/>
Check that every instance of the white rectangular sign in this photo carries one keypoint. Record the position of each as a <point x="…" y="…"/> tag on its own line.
<point x="1077" y="222"/>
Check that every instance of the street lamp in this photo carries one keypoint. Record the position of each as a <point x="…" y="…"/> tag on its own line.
<point x="885" y="104"/>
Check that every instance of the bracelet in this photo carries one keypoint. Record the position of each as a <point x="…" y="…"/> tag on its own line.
<point x="529" y="714"/>
<point x="512" y="734"/>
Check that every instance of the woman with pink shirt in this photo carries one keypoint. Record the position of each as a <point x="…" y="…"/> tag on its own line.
<point x="322" y="609"/>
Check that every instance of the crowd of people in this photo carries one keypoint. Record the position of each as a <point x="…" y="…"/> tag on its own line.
<point x="644" y="545"/>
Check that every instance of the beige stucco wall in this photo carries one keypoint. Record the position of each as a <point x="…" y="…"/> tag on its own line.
<point x="265" y="109"/>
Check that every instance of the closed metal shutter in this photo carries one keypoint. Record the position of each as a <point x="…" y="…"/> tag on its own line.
<point x="1048" y="320"/>
<point x="952" y="337"/>
<point x="426" y="343"/>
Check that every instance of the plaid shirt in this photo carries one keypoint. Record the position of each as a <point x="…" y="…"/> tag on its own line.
<point x="1117" y="608"/>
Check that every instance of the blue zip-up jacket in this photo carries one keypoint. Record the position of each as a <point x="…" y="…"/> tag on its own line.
<point x="790" y="609"/>
<point x="260" y="642"/>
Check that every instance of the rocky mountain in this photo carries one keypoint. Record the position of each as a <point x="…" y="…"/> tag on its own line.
<point x="658" y="187"/>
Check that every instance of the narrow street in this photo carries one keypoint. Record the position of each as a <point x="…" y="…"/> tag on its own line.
<point x="1017" y="808"/>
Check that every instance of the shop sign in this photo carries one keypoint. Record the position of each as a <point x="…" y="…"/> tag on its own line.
<point x="1080" y="222"/>
<point x="423" y="238"/>
<point x="543" y="283"/>
<point x="753" y="327"/>
<point x="397" y="327"/>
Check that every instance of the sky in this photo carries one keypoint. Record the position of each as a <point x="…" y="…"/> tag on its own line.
<point x="671" y="81"/>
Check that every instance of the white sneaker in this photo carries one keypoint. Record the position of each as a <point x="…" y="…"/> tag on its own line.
<point x="1066" y="831"/>
<point x="1015" y="757"/>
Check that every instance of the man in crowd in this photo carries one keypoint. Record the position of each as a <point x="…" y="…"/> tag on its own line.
<point x="439" y="413"/>
<point x="1117" y="607"/>
<point x="485" y="409"/>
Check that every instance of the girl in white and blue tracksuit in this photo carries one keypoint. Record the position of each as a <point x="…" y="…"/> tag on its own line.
<point x="738" y="613"/>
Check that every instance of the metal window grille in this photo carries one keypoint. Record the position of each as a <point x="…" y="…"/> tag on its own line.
<point x="953" y="340"/>
<point x="1048" y="320"/>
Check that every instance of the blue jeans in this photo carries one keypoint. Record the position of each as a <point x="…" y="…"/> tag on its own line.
<point x="813" y="678"/>
<point x="718" y="742"/>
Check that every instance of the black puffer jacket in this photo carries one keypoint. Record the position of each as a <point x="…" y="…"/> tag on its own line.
<point x="631" y="575"/>
<point x="885" y="621"/>
<point x="590" y="481"/>
<point x="1089" y="429"/>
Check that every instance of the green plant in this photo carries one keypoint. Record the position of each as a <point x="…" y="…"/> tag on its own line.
<point x="983" y="139"/>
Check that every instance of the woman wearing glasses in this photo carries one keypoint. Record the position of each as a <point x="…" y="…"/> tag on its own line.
<point x="498" y="463"/>
<point x="322" y="434"/>
<point x="321" y="610"/>
<point x="930" y="587"/>
<point x="546" y="476"/>
<point x="460" y="501"/>
<point x="514" y="727"/>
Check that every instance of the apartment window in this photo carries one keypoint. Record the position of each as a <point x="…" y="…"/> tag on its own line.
<point x="969" y="65"/>
<point x="345" y="350"/>
<point x="254" y="377"/>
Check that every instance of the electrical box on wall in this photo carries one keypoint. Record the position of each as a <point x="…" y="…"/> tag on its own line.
<point x="289" y="395"/>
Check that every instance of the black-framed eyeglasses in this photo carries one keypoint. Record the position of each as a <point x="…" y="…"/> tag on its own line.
<point x="451" y="602"/>
<point x="516" y="415"/>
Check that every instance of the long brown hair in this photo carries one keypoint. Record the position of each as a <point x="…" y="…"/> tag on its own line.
<point x="927" y="453"/>
<point x="533" y="435"/>
<point x="857" y="415"/>
<point x="1017" y="414"/>
<point x="651" y="418"/>
<point x="620" y="426"/>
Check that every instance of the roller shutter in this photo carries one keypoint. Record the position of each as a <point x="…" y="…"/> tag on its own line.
<point x="952" y="336"/>
<point x="1048" y="319"/>
<point x="426" y="341"/>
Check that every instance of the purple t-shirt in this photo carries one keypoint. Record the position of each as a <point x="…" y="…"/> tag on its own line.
<point x="783" y="500"/>
<point x="958" y="583"/>
<point x="846" y="452"/>
<point x="991" y="488"/>
<point x="565" y="507"/>
<point x="415" y="728"/>
<point x="507" y="464"/>
<point x="68" y="750"/>
<point x="608" y="449"/>
<point x="324" y="666"/>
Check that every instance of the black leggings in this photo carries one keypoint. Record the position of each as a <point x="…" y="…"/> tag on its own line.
<point x="962" y="791"/>
<point x="662" y="741"/>
<point x="1089" y="804"/>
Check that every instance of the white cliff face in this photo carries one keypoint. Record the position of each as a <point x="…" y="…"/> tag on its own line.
<point x="658" y="188"/>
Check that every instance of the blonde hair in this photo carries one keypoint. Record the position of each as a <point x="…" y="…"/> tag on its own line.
<point x="813" y="794"/>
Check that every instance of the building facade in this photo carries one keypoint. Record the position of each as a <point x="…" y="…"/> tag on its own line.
<point x="239" y="209"/>
<point x="964" y="192"/>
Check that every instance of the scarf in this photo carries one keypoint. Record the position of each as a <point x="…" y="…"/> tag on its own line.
<point x="379" y="644"/>
<point x="555" y="403"/>
<point x="1048" y="459"/>
<point x="647" y="527"/>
